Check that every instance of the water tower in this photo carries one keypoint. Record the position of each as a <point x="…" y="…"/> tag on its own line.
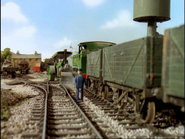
<point x="151" y="11"/>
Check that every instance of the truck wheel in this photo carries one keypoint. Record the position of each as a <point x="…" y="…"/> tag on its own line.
<point x="106" y="92"/>
<point x="148" y="112"/>
<point x="9" y="76"/>
<point x="5" y="73"/>
<point x="13" y="74"/>
<point x="52" y="77"/>
<point x="88" y="83"/>
<point x="27" y="71"/>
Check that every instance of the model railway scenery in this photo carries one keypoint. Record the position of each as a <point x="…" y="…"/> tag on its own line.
<point x="132" y="89"/>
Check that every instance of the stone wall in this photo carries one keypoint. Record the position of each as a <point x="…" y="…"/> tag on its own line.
<point x="31" y="61"/>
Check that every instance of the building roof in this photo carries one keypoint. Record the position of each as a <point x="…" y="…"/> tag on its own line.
<point x="18" y="55"/>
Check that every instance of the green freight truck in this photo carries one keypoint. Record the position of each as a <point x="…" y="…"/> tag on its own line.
<point x="85" y="48"/>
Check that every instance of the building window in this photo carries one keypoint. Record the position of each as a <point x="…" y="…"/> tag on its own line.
<point x="29" y="60"/>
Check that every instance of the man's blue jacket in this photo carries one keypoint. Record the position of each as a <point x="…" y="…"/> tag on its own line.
<point x="79" y="81"/>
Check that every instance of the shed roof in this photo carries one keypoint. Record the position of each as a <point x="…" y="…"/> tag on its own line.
<point x="26" y="55"/>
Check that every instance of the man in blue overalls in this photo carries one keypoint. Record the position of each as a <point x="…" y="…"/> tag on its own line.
<point x="79" y="81"/>
<point x="5" y="62"/>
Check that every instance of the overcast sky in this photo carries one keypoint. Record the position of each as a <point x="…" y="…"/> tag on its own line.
<point x="47" y="26"/>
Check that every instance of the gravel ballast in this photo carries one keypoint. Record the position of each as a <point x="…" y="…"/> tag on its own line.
<point x="20" y="111"/>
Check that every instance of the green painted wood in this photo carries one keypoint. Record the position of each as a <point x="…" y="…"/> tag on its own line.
<point x="118" y="60"/>
<point x="94" y="64"/>
<point x="173" y="62"/>
<point x="128" y="63"/>
<point x="75" y="60"/>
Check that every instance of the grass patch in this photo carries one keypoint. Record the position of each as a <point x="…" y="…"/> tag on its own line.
<point x="8" y="100"/>
<point x="17" y="104"/>
<point x="5" y="113"/>
<point x="26" y="98"/>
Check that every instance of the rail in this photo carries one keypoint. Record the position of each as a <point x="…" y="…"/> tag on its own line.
<point x="82" y="113"/>
<point x="45" y="113"/>
<point x="42" y="119"/>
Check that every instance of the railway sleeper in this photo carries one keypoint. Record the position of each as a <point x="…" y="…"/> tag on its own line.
<point x="66" y="127"/>
<point x="64" y="122"/>
<point x="63" y="118"/>
<point x="61" y="114"/>
<point x="66" y="133"/>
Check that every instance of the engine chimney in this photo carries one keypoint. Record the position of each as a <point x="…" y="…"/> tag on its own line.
<point x="65" y="56"/>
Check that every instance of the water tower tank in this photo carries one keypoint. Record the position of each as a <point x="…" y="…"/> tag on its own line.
<point x="151" y="10"/>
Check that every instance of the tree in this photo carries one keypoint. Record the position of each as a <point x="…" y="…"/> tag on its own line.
<point x="6" y="54"/>
<point x="45" y="60"/>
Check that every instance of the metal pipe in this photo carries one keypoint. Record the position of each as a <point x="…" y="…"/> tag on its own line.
<point x="151" y="28"/>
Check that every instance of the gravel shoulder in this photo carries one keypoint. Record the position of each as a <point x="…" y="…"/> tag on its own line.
<point x="16" y="105"/>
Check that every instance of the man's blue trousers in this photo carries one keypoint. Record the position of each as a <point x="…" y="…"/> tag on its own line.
<point x="77" y="93"/>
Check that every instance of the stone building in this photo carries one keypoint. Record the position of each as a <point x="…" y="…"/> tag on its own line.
<point x="32" y="59"/>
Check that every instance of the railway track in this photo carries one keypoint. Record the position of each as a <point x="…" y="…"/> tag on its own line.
<point x="57" y="115"/>
<point x="92" y="118"/>
<point x="104" y="129"/>
<point x="122" y="123"/>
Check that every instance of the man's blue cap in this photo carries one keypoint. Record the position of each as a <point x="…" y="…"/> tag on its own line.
<point x="80" y="69"/>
